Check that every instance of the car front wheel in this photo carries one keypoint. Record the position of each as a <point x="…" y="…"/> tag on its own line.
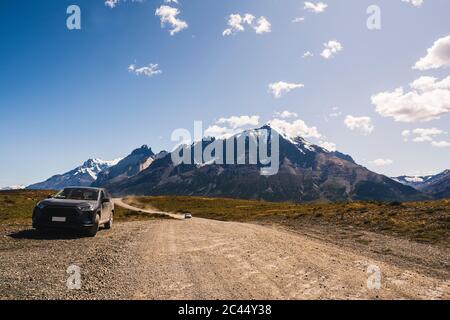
<point x="92" y="232"/>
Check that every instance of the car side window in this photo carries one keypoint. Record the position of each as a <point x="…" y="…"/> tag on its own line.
<point x="102" y="196"/>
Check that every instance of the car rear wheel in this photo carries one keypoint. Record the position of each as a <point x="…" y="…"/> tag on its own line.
<point x="92" y="232"/>
<point x="109" y="224"/>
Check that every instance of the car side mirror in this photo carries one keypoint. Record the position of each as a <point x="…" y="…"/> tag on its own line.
<point x="49" y="196"/>
<point x="105" y="200"/>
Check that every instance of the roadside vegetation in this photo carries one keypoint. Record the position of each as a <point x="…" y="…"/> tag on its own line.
<point x="16" y="206"/>
<point x="420" y="221"/>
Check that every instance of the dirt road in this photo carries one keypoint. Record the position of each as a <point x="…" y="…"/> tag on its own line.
<point x="119" y="202"/>
<point x="201" y="259"/>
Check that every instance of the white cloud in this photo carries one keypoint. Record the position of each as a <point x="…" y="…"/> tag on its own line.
<point x="318" y="7"/>
<point x="362" y="124"/>
<point x="171" y="1"/>
<point x="277" y="89"/>
<point x="286" y="114"/>
<point x="382" y="162"/>
<point x="426" y="135"/>
<point x="406" y="134"/>
<point x="113" y="3"/>
<point x="151" y="70"/>
<point x="331" y="49"/>
<point x="298" y="20"/>
<point x="328" y="146"/>
<point x="241" y="121"/>
<point x="219" y="132"/>
<point x="438" y="56"/>
<point x="420" y="135"/>
<point x="169" y="15"/>
<point x="308" y="54"/>
<point x="298" y="128"/>
<point x="227" y="127"/>
<point x="263" y="26"/>
<point x="237" y="22"/>
<point x="415" y="3"/>
<point x="440" y="144"/>
<point x="429" y="99"/>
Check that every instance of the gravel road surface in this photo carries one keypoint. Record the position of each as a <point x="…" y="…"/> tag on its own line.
<point x="203" y="259"/>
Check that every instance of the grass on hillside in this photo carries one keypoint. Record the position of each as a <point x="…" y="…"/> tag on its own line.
<point x="421" y="221"/>
<point x="17" y="206"/>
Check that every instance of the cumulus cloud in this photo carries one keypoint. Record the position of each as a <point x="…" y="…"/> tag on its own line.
<point x="331" y="49"/>
<point x="361" y="124"/>
<point x="113" y="3"/>
<point x="227" y="127"/>
<point x="308" y="54"/>
<point x="169" y="15"/>
<point x="150" y="71"/>
<point x="219" y="132"/>
<point x="428" y="99"/>
<point x="438" y="56"/>
<point x="440" y="144"/>
<point x="286" y="114"/>
<point x="382" y="162"/>
<point x="278" y="88"/>
<point x="318" y="7"/>
<point x="237" y="22"/>
<point x="241" y="121"/>
<point x="328" y="146"/>
<point x="415" y="3"/>
<point x="262" y="26"/>
<point x="297" y="128"/>
<point x="420" y="135"/>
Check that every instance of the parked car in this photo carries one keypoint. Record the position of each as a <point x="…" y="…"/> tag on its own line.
<point x="188" y="215"/>
<point x="78" y="208"/>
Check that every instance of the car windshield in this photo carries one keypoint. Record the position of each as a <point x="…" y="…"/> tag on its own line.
<point x="77" y="194"/>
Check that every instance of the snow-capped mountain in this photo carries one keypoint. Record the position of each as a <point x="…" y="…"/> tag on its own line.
<point x="437" y="185"/>
<point x="307" y="172"/>
<point x="12" y="188"/>
<point x="137" y="161"/>
<point x="413" y="181"/>
<point x="83" y="175"/>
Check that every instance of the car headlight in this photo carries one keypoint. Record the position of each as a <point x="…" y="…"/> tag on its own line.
<point x="41" y="205"/>
<point x="87" y="208"/>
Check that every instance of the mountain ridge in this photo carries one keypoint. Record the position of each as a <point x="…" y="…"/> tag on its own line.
<point x="83" y="175"/>
<point x="307" y="173"/>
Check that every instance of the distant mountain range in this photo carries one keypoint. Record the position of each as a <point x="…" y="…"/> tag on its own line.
<point x="82" y="176"/>
<point x="307" y="173"/>
<point x="12" y="188"/>
<point x="437" y="185"/>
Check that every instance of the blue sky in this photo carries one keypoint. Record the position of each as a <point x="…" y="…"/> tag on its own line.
<point x="67" y="95"/>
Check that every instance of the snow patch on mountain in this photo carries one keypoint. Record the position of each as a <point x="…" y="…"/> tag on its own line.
<point x="19" y="187"/>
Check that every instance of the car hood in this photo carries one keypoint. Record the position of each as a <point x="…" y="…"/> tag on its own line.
<point x="67" y="203"/>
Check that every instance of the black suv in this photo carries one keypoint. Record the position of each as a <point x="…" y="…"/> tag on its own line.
<point x="78" y="208"/>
